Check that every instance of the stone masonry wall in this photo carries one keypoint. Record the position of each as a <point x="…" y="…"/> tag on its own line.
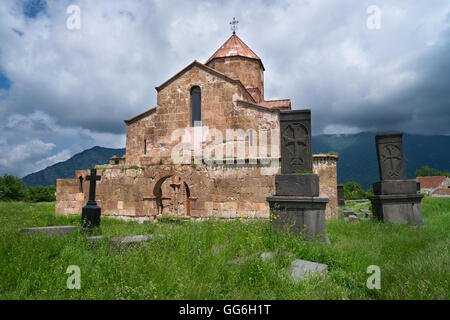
<point x="227" y="191"/>
<point x="248" y="71"/>
<point x="325" y="165"/>
<point x="219" y="111"/>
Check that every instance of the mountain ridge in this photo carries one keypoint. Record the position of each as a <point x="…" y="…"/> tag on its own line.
<point x="357" y="157"/>
<point x="85" y="159"/>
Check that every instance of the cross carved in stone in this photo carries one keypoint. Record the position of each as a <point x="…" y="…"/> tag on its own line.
<point x="295" y="138"/>
<point x="391" y="153"/>
<point x="93" y="178"/>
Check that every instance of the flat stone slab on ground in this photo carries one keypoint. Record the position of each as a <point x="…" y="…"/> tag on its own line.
<point x="94" y="239"/>
<point x="52" y="230"/>
<point x="300" y="269"/>
<point x="351" y="218"/>
<point x="364" y="210"/>
<point x="348" y="212"/>
<point x="121" y="242"/>
<point x="265" y="256"/>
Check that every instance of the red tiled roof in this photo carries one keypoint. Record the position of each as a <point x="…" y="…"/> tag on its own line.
<point x="282" y="104"/>
<point x="442" y="191"/>
<point x="430" y="182"/>
<point x="233" y="47"/>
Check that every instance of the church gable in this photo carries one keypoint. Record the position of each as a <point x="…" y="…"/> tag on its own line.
<point x="213" y="72"/>
<point x="217" y="95"/>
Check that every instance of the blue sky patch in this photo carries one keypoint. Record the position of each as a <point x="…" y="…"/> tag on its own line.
<point x="32" y="8"/>
<point x="4" y="82"/>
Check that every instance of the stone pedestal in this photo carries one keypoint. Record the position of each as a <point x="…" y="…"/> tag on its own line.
<point x="398" y="208"/>
<point x="395" y="198"/>
<point x="90" y="216"/>
<point x="300" y="214"/>
<point x="296" y="205"/>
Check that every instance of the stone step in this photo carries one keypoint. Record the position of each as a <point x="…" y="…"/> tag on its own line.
<point x="51" y="230"/>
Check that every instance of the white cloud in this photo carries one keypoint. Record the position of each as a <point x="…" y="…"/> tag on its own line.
<point x="72" y="88"/>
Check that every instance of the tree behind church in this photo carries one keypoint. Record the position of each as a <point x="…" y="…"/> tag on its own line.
<point x="11" y="188"/>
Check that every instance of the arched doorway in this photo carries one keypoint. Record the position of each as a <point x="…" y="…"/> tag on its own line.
<point x="158" y="193"/>
<point x="172" y="196"/>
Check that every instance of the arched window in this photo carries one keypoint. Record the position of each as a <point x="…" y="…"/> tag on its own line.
<point x="196" y="106"/>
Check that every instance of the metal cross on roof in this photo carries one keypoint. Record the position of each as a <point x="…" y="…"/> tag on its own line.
<point x="234" y="25"/>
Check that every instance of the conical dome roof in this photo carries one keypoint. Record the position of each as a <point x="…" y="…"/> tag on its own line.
<point x="233" y="47"/>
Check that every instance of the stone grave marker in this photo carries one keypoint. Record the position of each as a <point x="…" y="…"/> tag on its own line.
<point x="351" y="218"/>
<point x="297" y="203"/>
<point x="301" y="269"/>
<point x="348" y="212"/>
<point x="395" y="198"/>
<point x="90" y="214"/>
<point x="128" y="241"/>
<point x="340" y="194"/>
<point x="52" y="230"/>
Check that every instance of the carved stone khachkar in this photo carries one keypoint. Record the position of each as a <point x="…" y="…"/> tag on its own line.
<point x="395" y="198"/>
<point x="340" y="194"/>
<point x="297" y="204"/>
<point x="90" y="216"/>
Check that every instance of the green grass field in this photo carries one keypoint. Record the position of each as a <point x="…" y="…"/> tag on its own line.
<point x="414" y="262"/>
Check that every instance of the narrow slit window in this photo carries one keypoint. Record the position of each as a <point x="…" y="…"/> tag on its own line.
<point x="196" y="106"/>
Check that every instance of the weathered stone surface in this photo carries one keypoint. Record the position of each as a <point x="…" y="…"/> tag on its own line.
<point x="295" y="134"/>
<point x="94" y="239"/>
<point x="265" y="256"/>
<point x="391" y="163"/>
<point x="351" y="218"/>
<point x="325" y="166"/>
<point x="395" y="187"/>
<point x="395" y="201"/>
<point x="297" y="185"/>
<point x="348" y="212"/>
<point x="127" y="241"/>
<point x="53" y="230"/>
<point x="304" y="215"/>
<point x="398" y="208"/>
<point x="301" y="269"/>
<point x="340" y="192"/>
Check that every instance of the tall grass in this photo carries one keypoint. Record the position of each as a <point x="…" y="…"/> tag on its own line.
<point x="414" y="262"/>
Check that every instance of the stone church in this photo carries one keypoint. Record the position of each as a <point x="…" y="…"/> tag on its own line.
<point x="197" y="108"/>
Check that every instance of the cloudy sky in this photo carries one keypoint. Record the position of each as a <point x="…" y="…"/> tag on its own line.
<point x="63" y="90"/>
